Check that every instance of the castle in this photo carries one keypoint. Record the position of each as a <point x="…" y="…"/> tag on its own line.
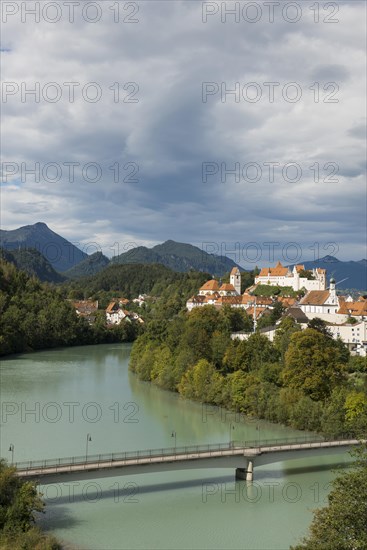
<point x="296" y="278"/>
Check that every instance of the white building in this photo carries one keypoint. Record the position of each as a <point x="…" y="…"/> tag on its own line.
<point x="353" y="335"/>
<point x="324" y="304"/>
<point x="283" y="276"/>
<point x="115" y="314"/>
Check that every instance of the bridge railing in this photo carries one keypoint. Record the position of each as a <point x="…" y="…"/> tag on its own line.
<point x="128" y="456"/>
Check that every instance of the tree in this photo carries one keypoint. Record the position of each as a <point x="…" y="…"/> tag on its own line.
<point x="236" y="356"/>
<point x="312" y="364"/>
<point x="283" y="334"/>
<point x="202" y="382"/>
<point x="342" y="525"/>
<point x="260" y="350"/>
<point x="19" y="501"/>
<point x="319" y="324"/>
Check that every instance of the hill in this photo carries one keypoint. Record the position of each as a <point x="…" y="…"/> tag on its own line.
<point x="33" y="263"/>
<point x="179" y="257"/>
<point x="346" y="274"/>
<point x="59" y="252"/>
<point x="131" y="280"/>
<point x="90" y="266"/>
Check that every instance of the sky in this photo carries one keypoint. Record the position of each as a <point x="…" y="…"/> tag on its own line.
<point x="238" y="127"/>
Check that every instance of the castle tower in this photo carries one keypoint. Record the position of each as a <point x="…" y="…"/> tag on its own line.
<point x="332" y="292"/>
<point x="235" y="279"/>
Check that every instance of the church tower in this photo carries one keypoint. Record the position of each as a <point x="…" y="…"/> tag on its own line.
<point x="235" y="279"/>
<point x="332" y="292"/>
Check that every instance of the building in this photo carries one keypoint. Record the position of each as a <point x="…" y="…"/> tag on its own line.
<point x="86" y="309"/>
<point x="321" y="303"/>
<point x="115" y="314"/>
<point x="354" y="335"/>
<point x="235" y="280"/>
<point x="297" y="278"/>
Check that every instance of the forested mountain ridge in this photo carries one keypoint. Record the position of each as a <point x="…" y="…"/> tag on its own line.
<point x="59" y="252"/>
<point x="179" y="257"/>
<point x="133" y="279"/>
<point x="72" y="262"/>
<point x="89" y="266"/>
<point x="32" y="262"/>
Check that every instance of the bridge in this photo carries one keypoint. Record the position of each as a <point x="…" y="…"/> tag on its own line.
<point x="241" y="456"/>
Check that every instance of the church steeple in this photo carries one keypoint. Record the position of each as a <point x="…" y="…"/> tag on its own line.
<point x="332" y="290"/>
<point x="235" y="279"/>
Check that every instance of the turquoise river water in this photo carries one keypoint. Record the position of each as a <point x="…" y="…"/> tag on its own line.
<point x="73" y="401"/>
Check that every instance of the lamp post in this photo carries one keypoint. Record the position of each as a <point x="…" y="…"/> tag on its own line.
<point x="86" y="447"/>
<point x="11" y="450"/>
<point x="231" y="427"/>
<point x="173" y="434"/>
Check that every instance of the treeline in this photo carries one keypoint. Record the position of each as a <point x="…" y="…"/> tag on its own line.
<point x="304" y="379"/>
<point x="19" y="503"/>
<point x="35" y="315"/>
<point x="129" y="281"/>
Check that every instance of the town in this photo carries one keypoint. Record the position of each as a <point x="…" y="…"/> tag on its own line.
<point x="308" y="298"/>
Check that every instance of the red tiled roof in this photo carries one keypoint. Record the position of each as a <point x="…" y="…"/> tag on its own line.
<point x="277" y="271"/>
<point x="210" y="285"/>
<point x="286" y="301"/>
<point x="259" y="311"/>
<point x="228" y="287"/>
<point x="234" y="300"/>
<point x="315" y="297"/>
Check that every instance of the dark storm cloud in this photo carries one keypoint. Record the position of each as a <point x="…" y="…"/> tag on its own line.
<point x="170" y="132"/>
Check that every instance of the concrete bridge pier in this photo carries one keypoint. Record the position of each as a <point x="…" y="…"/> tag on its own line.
<point x="246" y="474"/>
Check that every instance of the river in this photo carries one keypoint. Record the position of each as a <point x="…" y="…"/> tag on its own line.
<point x="73" y="401"/>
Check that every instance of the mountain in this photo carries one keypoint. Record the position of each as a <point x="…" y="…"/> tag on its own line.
<point x="354" y="273"/>
<point x="90" y="266"/>
<point x="32" y="262"/>
<point x="179" y="257"/>
<point x="59" y="252"/>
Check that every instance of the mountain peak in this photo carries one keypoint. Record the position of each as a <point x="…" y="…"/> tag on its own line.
<point x="329" y="259"/>
<point x="60" y="253"/>
<point x="40" y="224"/>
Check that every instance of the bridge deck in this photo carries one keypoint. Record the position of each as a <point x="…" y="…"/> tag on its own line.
<point x="181" y="454"/>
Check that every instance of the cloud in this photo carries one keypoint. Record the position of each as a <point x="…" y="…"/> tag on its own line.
<point x="160" y="142"/>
